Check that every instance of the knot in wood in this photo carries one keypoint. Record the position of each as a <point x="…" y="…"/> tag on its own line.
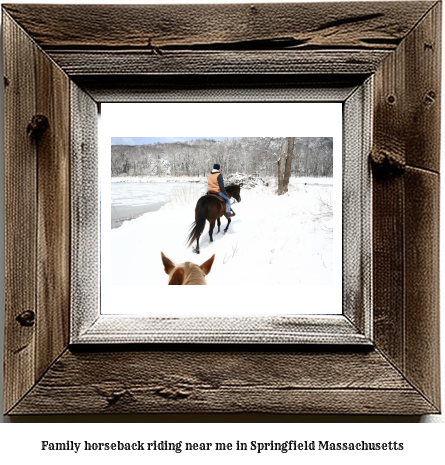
<point x="430" y="97"/>
<point x="387" y="163"/>
<point x="37" y="126"/>
<point x="26" y="318"/>
<point x="173" y="393"/>
<point x="114" y="397"/>
<point x="112" y="394"/>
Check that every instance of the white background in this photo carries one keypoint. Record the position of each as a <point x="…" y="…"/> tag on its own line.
<point x="21" y="442"/>
<point x="221" y="120"/>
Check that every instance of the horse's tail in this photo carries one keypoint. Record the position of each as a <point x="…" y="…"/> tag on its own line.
<point x="197" y="227"/>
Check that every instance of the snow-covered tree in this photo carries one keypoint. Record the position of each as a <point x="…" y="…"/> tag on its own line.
<point x="247" y="155"/>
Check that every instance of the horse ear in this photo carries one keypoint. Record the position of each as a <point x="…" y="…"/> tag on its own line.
<point x="207" y="266"/>
<point x="177" y="277"/>
<point x="168" y="264"/>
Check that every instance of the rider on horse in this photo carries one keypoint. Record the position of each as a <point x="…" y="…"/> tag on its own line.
<point x="216" y="184"/>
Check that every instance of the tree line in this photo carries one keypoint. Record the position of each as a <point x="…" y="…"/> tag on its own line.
<point x="309" y="156"/>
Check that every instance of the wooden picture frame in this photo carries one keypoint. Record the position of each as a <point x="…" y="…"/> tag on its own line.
<point x="57" y="70"/>
<point x="92" y="323"/>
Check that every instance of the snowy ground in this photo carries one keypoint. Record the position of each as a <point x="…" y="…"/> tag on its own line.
<point x="272" y="239"/>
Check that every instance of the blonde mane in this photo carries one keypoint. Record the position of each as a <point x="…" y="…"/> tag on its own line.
<point x="193" y="274"/>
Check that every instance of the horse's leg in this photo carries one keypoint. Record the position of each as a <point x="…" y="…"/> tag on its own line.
<point x="227" y="227"/>
<point x="219" y="225"/>
<point x="212" y="226"/>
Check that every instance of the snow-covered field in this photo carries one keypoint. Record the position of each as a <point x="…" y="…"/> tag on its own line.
<point x="272" y="239"/>
<point x="281" y="255"/>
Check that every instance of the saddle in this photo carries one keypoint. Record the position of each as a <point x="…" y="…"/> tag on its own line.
<point x="215" y="194"/>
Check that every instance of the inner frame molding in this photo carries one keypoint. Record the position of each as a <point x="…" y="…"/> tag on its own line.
<point x="354" y="326"/>
<point x="78" y="56"/>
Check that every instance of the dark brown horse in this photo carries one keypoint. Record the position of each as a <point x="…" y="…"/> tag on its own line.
<point x="210" y="208"/>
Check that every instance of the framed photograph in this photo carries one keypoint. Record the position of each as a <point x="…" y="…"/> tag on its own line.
<point x="322" y="296"/>
<point x="299" y="278"/>
<point x="168" y="176"/>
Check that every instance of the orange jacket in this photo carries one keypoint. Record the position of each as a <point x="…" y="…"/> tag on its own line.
<point x="213" y="182"/>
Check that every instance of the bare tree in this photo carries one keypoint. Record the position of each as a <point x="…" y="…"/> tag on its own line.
<point x="285" y="163"/>
<point x="289" y="158"/>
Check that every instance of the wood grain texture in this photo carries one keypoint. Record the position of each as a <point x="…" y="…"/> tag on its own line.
<point x="112" y="329"/>
<point x="388" y="203"/>
<point x="225" y="39"/>
<point x="422" y="364"/>
<point x="397" y="41"/>
<point x="407" y="114"/>
<point x="423" y="92"/>
<point x="357" y="208"/>
<point x="406" y="131"/>
<point x="53" y="228"/>
<point x="217" y="382"/>
<point x="79" y="63"/>
<point x="158" y="27"/>
<point x="388" y="268"/>
<point x="85" y="211"/>
<point x="20" y="212"/>
<point x="37" y="217"/>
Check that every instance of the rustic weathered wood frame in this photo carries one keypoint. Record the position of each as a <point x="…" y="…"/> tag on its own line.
<point x="76" y="56"/>
<point x="90" y="323"/>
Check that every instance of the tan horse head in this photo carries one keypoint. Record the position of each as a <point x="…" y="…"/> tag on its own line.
<point x="187" y="273"/>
